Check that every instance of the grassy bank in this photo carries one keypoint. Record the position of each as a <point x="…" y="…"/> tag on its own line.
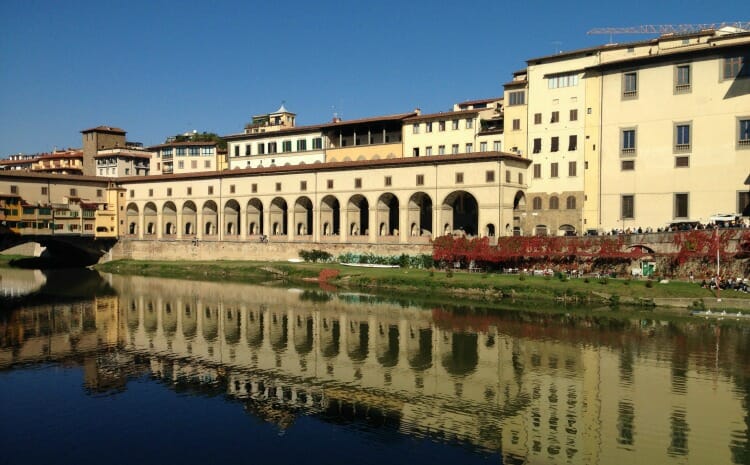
<point x="438" y="282"/>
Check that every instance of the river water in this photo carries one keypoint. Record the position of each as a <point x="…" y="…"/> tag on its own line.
<point x="117" y="369"/>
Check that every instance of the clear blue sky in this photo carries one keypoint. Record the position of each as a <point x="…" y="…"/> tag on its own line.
<point x="156" y="68"/>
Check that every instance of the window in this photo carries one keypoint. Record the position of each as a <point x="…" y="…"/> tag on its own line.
<point x="286" y="146"/>
<point x="630" y="84"/>
<point x="415" y="128"/>
<point x="14" y="189"/>
<point x="507" y="176"/>
<point x="627" y="143"/>
<point x="733" y="67"/>
<point x="572" y="169"/>
<point x="743" y="203"/>
<point x="415" y="152"/>
<point x="520" y="178"/>
<point x="570" y="202"/>
<point x="303" y="185"/>
<point x="441" y="149"/>
<point x="272" y="147"/>
<point x="206" y="151"/>
<point x="743" y="137"/>
<point x="194" y="164"/>
<point x="555" y="117"/>
<point x="469" y="123"/>
<point x="681" y="162"/>
<point x="441" y="126"/>
<point x="357" y="183"/>
<point x="181" y="151"/>
<point x="150" y="192"/>
<point x="261" y="148"/>
<point x="132" y="193"/>
<point x="388" y="181"/>
<point x="627" y="207"/>
<point x="428" y="126"/>
<point x="489" y="176"/>
<point x="562" y="80"/>
<point x="554" y="144"/>
<point x="572" y="143"/>
<point x="483" y="146"/>
<point x="181" y="164"/>
<point x="189" y="191"/>
<point x="44" y="190"/>
<point x="420" y="179"/>
<point x="428" y="150"/>
<point x="537" y="145"/>
<point x="681" y="205"/>
<point x="454" y="124"/>
<point x="459" y="178"/>
<point x="537" y="118"/>
<point x="194" y="151"/>
<point x="232" y="189"/>
<point x="497" y="146"/>
<point x="682" y="79"/>
<point x="554" y="203"/>
<point x="627" y="165"/>
<point x="516" y="124"/>
<point x="574" y="114"/>
<point x="278" y="187"/>
<point x="237" y="151"/>
<point x="469" y="148"/>
<point x="329" y="184"/>
<point x="301" y="145"/>
<point x="682" y="137"/>
<point x="207" y="163"/>
<point x="74" y="192"/>
<point x="169" y="192"/>
<point x="537" y="170"/>
<point x="454" y="149"/>
<point x="536" y="203"/>
<point x="553" y="170"/>
<point x="517" y="97"/>
<point x="210" y="190"/>
<point x="317" y="143"/>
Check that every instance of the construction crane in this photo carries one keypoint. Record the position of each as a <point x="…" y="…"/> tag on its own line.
<point x="668" y="28"/>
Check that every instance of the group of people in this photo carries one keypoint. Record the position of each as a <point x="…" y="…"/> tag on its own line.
<point x="729" y="284"/>
<point x="676" y="227"/>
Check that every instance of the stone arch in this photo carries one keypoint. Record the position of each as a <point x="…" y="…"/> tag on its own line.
<point x="420" y="214"/>
<point x="254" y="217"/>
<point x="330" y="216"/>
<point x="278" y="331"/>
<point x="169" y="218"/>
<point x="303" y="216"/>
<point x="330" y="337"/>
<point x="210" y="323"/>
<point x="567" y="230"/>
<point x="169" y="320"/>
<point x="232" y="225"/>
<point x="149" y="218"/>
<point x="489" y="230"/>
<point x="189" y="322"/>
<point x="361" y="158"/>
<point x="255" y="328"/>
<point x="358" y="215"/>
<point x="279" y="213"/>
<point x="541" y="230"/>
<point x="210" y="218"/>
<point x="461" y="212"/>
<point x="387" y="215"/>
<point x="231" y="326"/>
<point x="519" y="201"/>
<point x="189" y="218"/>
<point x="131" y="215"/>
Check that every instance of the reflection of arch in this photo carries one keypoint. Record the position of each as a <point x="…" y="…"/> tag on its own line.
<point x="303" y="216"/>
<point x="330" y="216"/>
<point x="461" y="210"/>
<point x="278" y="217"/>
<point x="357" y="341"/>
<point x="169" y="218"/>
<point x="329" y="338"/>
<point x="189" y="218"/>
<point x="150" y="319"/>
<point x="189" y="322"/>
<point x="149" y="218"/>
<point x="387" y="215"/>
<point x="168" y="320"/>
<point x="232" y="218"/>
<point x="463" y="357"/>
<point x="231" y="326"/>
<point x="279" y="332"/>
<point x="420" y="214"/>
<point x="567" y="230"/>
<point x="254" y="216"/>
<point x="210" y="320"/>
<point x="540" y="230"/>
<point x="254" y="329"/>
<point x="210" y="217"/>
<point x="419" y="349"/>
<point x="387" y="347"/>
<point x="358" y="215"/>
<point x="303" y="335"/>
<point x="131" y="215"/>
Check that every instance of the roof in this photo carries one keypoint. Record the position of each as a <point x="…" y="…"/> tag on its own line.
<point x="109" y="129"/>
<point x="443" y="114"/>
<point x="283" y="130"/>
<point x="123" y="155"/>
<point x="333" y="166"/>
<point x="58" y="155"/>
<point x="72" y="178"/>
<point x="516" y="83"/>
<point x="395" y="117"/>
<point x="189" y="143"/>
<point x="476" y="102"/>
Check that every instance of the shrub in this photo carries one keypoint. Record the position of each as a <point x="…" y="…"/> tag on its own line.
<point x="614" y="300"/>
<point x="315" y="255"/>
<point x="604" y="280"/>
<point x="522" y="277"/>
<point x="649" y="284"/>
<point x="449" y="273"/>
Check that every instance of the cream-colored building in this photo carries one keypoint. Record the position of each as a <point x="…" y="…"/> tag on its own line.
<point x="117" y="162"/>
<point x="288" y="145"/>
<point x="186" y="157"/>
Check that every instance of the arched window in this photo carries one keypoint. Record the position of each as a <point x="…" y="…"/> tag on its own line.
<point x="570" y="203"/>
<point x="537" y="203"/>
<point x="554" y="203"/>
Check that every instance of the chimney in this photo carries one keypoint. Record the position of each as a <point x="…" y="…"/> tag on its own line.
<point x="418" y="111"/>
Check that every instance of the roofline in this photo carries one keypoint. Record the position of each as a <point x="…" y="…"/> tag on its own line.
<point x="484" y="100"/>
<point x="183" y="144"/>
<point x="108" y="129"/>
<point x="443" y="115"/>
<point x="290" y="131"/>
<point x="54" y="177"/>
<point x="394" y="117"/>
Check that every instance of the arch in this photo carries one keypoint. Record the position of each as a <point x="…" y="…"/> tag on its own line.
<point x="358" y="215"/>
<point x="387" y="215"/>
<point x="189" y="218"/>
<point x="567" y="230"/>
<point x="254" y="217"/>
<point x="419" y="214"/>
<point x="519" y="201"/>
<point x="461" y="212"/>
<point x="131" y="215"/>
<point x="149" y="218"/>
<point x="303" y="216"/>
<point x="489" y="230"/>
<point x="330" y="216"/>
<point x="570" y="202"/>
<point x="278" y="218"/>
<point x="554" y="203"/>
<point x="536" y="203"/>
<point x="210" y="218"/>
<point x="463" y="356"/>
<point x="541" y="230"/>
<point x="232" y="218"/>
<point x="169" y="218"/>
<point x="361" y="158"/>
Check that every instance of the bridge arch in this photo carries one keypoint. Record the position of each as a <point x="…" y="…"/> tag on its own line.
<point x="460" y="212"/>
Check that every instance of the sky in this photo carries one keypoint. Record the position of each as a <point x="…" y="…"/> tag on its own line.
<point x="157" y="68"/>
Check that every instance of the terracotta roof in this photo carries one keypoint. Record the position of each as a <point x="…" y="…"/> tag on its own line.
<point x="109" y="129"/>
<point x="123" y="155"/>
<point x="444" y="114"/>
<point x="335" y="166"/>
<point x="396" y="117"/>
<point x="475" y="102"/>
<point x="58" y="155"/>
<point x="515" y="83"/>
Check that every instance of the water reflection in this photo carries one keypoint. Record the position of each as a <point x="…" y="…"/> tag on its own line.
<point x="534" y="387"/>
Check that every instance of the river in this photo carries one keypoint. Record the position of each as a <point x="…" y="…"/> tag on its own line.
<point x="119" y="369"/>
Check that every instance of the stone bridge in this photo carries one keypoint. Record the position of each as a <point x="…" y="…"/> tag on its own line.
<point x="71" y="250"/>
